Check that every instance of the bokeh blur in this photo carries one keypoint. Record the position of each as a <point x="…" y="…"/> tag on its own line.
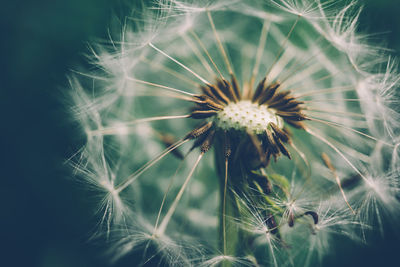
<point x="45" y="216"/>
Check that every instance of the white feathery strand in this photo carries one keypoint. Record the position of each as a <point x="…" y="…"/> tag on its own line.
<point x="337" y="151"/>
<point x="331" y="75"/>
<point x="163" y="94"/>
<point x="122" y="128"/>
<point x="307" y="71"/>
<point x="149" y="164"/>
<point x="165" y="196"/>
<point x="355" y="122"/>
<point x="351" y="151"/>
<point x="92" y="76"/>
<point x="260" y="50"/>
<point x="327" y="90"/>
<point x="333" y="99"/>
<point x="167" y="218"/>
<point x="179" y="63"/>
<point x="303" y="157"/>
<point x="219" y="42"/>
<point x="297" y="66"/>
<point x="337" y="112"/>
<point x="271" y="246"/>
<point x="198" y="54"/>
<point x="396" y="157"/>
<point x="160" y="86"/>
<point x="328" y="164"/>
<point x="283" y="46"/>
<point x="170" y="71"/>
<point x="335" y="124"/>
<point x="206" y="52"/>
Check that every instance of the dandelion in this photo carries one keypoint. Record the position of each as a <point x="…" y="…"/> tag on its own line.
<point x="298" y="110"/>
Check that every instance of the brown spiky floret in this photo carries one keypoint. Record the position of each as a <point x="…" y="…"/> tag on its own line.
<point x="254" y="150"/>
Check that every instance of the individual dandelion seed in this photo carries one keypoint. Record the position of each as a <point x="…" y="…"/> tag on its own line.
<point x="278" y="89"/>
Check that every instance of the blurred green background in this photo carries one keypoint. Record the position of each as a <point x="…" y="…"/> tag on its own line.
<point x="46" y="217"/>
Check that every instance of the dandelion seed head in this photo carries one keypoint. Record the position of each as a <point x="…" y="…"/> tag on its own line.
<point x="278" y="110"/>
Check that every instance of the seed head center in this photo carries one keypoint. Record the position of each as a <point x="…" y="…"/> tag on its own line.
<point x="247" y="116"/>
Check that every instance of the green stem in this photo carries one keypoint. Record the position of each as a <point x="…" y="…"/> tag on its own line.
<point x="228" y="231"/>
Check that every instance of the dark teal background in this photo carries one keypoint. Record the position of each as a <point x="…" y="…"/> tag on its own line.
<point x="45" y="217"/>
